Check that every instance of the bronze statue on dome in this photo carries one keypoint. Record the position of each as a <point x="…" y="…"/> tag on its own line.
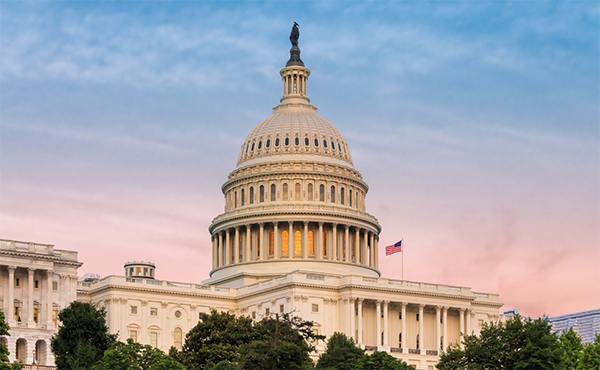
<point x="295" y="35"/>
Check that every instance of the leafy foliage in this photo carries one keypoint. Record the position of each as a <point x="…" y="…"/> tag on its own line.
<point x="285" y="342"/>
<point x="216" y="338"/>
<point x="517" y="344"/>
<point x="82" y="338"/>
<point x="590" y="358"/>
<point x="382" y="360"/>
<point x="134" y="356"/>
<point x="4" y="328"/>
<point x="572" y="349"/>
<point x="341" y="353"/>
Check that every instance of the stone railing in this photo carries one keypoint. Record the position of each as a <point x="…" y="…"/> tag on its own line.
<point x="431" y="352"/>
<point x="414" y="351"/>
<point x="371" y="348"/>
<point x="160" y="285"/>
<point x="43" y="249"/>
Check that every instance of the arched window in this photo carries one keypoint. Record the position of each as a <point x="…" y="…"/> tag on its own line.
<point x="310" y="192"/>
<point x="247" y="147"/>
<point x="273" y="192"/>
<point x="350" y="197"/>
<point x="287" y="141"/>
<point x="353" y="247"/>
<point x="268" y="143"/>
<point x="297" y="191"/>
<point x="251" y="195"/>
<point x="260" y="144"/>
<point x="297" y="243"/>
<point x="243" y="197"/>
<point x="322" y="193"/>
<point x="306" y="141"/>
<point x="252" y="149"/>
<point x="324" y="243"/>
<point x="339" y="148"/>
<point x="235" y="199"/>
<point x="341" y="195"/>
<point x="316" y="142"/>
<point x="262" y="193"/>
<point x="284" y="243"/>
<point x="325" y="143"/>
<point x="344" y="149"/>
<point x="271" y="243"/>
<point x="332" y="145"/>
<point x="344" y="246"/>
<point x="276" y="142"/>
<point x="332" y="194"/>
<point x="297" y="141"/>
<point x="311" y="243"/>
<point x="284" y="192"/>
<point x="177" y="338"/>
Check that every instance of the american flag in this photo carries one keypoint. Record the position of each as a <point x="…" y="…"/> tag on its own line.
<point x="394" y="248"/>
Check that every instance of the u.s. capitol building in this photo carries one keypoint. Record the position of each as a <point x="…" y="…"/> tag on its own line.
<point x="295" y="236"/>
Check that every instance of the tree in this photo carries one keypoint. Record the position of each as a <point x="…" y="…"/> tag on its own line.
<point x="4" y="328"/>
<point x="341" y="353"/>
<point x="217" y="337"/>
<point x="382" y="360"/>
<point x="285" y="342"/>
<point x="134" y="356"/>
<point x="572" y="349"/>
<point x="516" y="344"/>
<point x="82" y="338"/>
<point x="590" y="358"/>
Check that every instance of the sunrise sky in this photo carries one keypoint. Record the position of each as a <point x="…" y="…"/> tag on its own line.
<point x="475" y="124"/>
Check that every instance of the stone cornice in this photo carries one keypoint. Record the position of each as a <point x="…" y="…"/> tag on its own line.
<point x="28" y="255"/>
<point x="155" y="291"/>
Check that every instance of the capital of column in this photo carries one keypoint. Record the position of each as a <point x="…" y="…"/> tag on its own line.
<point x="421" y="306"/>
<point x="49" y="273"/>
<point x="347" y="227"/>
<point x="261" y="224"/>
<point x="321" y="223"/>
<point x="334" y="224"/>
<point x="11" y="268"/>
<point x="275" y="223"/>
<point x="164" y="305"/>
<point x="403" y="304"/>
<point x="378" y="301"/>
<point x="236" y="228"/>
<point x="291" y="223"/>
<point x="386" y="302"/>
<point x="445" y="308"/>
<point x="144" y="303"/>
<point x="30" y="271"/>
<point x="461" y="310"/>
<point x="438" y="308"/>
<point x="360" y="299"/>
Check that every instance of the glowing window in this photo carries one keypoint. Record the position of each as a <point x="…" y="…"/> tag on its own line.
<point x="310" y="192"/>
<point x="284" y="243"/>
<point x="177" y="338"/>
<point x="284" y="192"/>
<point x="271" y="243"/>
<point x="297" y="242"/>
<point x="297" y="191"/>
<point x="311" y="245"/>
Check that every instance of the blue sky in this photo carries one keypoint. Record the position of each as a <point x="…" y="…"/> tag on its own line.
<point x="475" y="125"/>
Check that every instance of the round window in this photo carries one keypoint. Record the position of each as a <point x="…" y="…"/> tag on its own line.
<point x="177" y="314"/>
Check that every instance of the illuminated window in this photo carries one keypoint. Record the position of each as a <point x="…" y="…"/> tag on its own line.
<point x="311" y="248"/>
<point x="36" y="315"/>
<point x="310" y="192"/>
<point x="177" y="338"/>
<point x="55" y="317"/>
<point x="352" y="246"/>
<point x="297" y="242"/>
<point x="324" y="239"/>
<point x="284" y="192"/>
<point x="284" y="243"/>
<point x="271" y="243"/>
<point x="297" y="191"/>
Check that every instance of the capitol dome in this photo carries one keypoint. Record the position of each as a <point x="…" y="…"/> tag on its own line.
<point x="294" y="200"/>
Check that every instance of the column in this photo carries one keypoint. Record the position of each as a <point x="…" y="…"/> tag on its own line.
<point x="291" y="239"/>
<point x="321" y="242"/>
<point x="30" y="322"/>
<point x="360" y="322"/>
<point x="461" y="326"/>
<point x="404" y="334"/>
<point x="363" y="256"/>
<point x="376" y="261"/>
<point x="214" y="252"/>
<point x="347" y="243"/>
<point x="228" y="247"/>
<point x="352" y="319"/>
<point x="164" y="335"/>
<point x="11" y="294"/>
<point x="421" y="329"/>
<point x="221" y="250"/>
<point x="385" y="324"/>
<point x="248" y="253"/>
<point x="445" y="320"/>
<point x="378" y="323"/>
<point x="334" y="248"/>
<point x="438" y="312"/>
<point x="236" y="246"/>
<point x="261" y="244"/>
<point x="372" y="252"/>
<point x="305" y="241"/>
<point x="356" y="246"/>
<point x="49" y="274"/>
<point x="277" y="245"/>
<point x="143" y="322"/>
<point x="469" y="322"/>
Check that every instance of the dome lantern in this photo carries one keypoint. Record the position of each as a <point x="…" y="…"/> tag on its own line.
<point x="295" y="74"/>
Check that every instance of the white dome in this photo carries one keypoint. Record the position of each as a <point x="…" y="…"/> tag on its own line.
<point x="294" y="129"/>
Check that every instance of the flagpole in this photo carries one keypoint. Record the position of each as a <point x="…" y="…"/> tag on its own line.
<point x="402" y="259"/>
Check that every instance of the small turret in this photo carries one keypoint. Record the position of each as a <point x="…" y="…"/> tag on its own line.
<point x="140" y="269"/>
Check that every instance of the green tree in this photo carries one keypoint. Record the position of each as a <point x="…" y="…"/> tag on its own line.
<point x="590" y="359"/>
<point x="382" y="360"/>
<point x="284" y="342"/>
<point x="341" y="353"/>
<point x="516" y="344"/>
<point x="572" y="349"/>
<point x="226" y="365"/>
<point x="217" y="337"/>
<point x="4" y="328"/>
<point x="134" y="356"/>
<point x="82" y="338"/>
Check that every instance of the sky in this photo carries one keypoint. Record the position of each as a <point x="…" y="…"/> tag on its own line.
<point x="475" y="124"/>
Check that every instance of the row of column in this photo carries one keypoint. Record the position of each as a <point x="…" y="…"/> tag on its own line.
<point x="441" y="314"/>
<point x="299" y="80"/>
<point x="364" y="250"/>
<point x="30" y="286"/>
